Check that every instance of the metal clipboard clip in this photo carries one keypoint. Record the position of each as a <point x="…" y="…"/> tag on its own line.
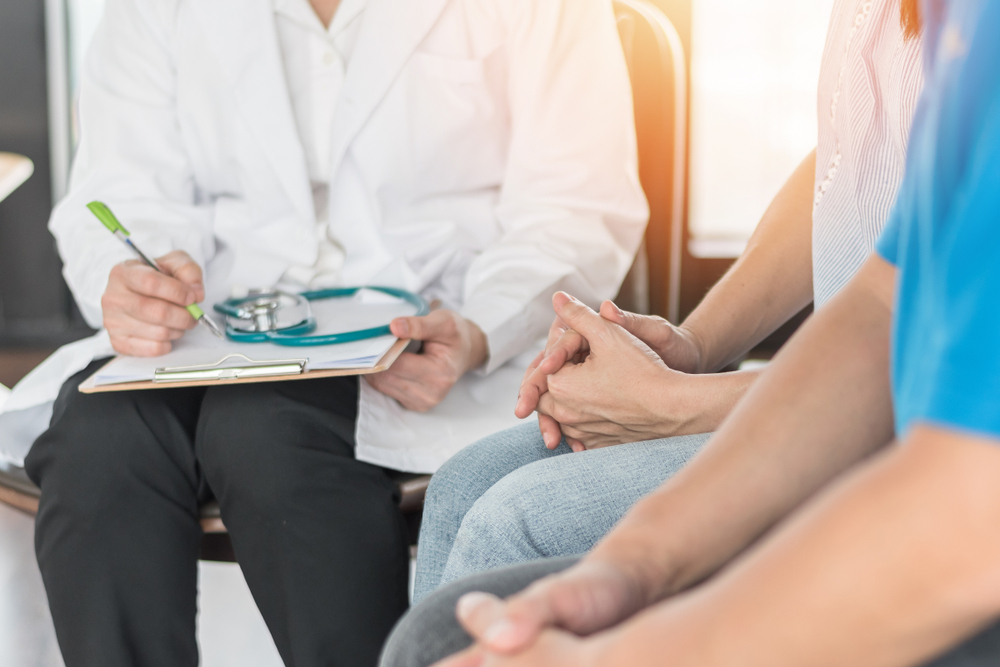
<point x="217" y="371"/>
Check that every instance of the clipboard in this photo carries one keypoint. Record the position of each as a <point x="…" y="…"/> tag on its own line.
<point x="214" y="375"/>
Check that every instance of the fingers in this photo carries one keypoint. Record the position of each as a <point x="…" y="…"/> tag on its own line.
<point x="652" y="330"/>
<point x="579" y="317"/>
<point x="470" y="657"/>
<point x="535" y="382"/>
<point x="477" y="612"/>
<point x="179" y="265"/>
<point x="531" y="390"/>
<point x="141" y="279"/>
<point x="125" y="325"/>
<point x="504" y="627"/>
<point x="440" y="325"/>
<point x="550" y="406"/>
<point x="139" y="347"/>
<point x="551" y="432"/>
<point x="418" y="381"/>
<point x="576" y="445"/>
<point x="122" y="307"/>
<point x="563" y="351"/>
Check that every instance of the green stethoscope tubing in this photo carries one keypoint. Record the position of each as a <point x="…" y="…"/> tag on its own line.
<point x="297" y="336"/>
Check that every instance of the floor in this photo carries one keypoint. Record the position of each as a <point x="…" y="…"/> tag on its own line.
<point x="230" y="630"/>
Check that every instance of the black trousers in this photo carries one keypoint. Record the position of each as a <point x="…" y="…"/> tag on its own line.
<point x="318" y="534"/>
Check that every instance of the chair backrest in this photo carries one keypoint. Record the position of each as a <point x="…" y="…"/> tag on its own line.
<point x="658" y="71"/>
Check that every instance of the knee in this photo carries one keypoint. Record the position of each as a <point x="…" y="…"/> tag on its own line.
<point x="94" y="453"/>
<point x="269" y="454"/>
<point x="500" y="528"/>
<point x="473" y="471"/>
<point x="456" y="484"/>
<point x="240" y="441"/>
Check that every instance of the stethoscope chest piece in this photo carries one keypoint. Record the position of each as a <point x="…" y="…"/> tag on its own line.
<point x="262" y="313"/>
<point x="283" y="318"/>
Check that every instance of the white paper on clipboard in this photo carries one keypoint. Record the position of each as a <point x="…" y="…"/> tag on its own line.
<point x="199" y="347"/>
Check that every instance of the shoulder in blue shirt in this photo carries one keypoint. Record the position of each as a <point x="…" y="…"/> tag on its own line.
<point x="944" y="233"/>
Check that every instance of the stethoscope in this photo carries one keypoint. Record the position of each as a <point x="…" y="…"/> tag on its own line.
<point x="284" y="318"/>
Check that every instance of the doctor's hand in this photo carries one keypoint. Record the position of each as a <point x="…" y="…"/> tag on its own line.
<point x="145" y="310"/>
<point x="452" y="346"/>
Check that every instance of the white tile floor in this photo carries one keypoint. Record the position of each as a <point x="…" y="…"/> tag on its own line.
<point x="230" y="629"/>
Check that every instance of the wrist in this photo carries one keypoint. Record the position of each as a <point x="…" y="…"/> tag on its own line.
<point x="696" y="342"/>
<point x="478" y="348"/>
<point x="697" y="403"/>
<point x="636" y="550"/>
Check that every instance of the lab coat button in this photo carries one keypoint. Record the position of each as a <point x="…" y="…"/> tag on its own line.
<point x="328" y="58"/>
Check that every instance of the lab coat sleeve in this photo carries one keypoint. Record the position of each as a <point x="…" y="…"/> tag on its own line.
<point x="131" y="155"/>
<point x="572" y="211"/>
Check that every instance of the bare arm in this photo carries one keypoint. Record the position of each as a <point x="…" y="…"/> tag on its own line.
<point x="822" y="406"/>
<point x="891" y="566"/>
<point x="768" y="284"/>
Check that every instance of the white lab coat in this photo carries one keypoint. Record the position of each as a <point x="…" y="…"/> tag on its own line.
<point x="483" y="154"/>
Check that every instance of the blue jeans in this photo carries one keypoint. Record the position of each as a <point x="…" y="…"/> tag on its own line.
<point x="507" y="499"/>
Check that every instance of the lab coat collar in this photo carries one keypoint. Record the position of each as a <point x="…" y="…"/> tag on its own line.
<point x="244" y="38"/>
<point x="390" y="32"/>
<point x="302" y="12"/>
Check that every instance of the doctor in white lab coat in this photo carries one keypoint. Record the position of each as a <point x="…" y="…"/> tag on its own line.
<point x="480" y="152"/>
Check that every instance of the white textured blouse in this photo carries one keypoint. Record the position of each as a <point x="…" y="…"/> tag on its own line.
<point x="869" y="83"/>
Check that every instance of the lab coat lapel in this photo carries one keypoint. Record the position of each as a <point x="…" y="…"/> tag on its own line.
<point x="244" y="37"/>
<point x="390" y="32"/>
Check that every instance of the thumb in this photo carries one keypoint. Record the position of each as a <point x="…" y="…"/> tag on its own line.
<point x="178" y="264"/>
<point x="418" y="328"/>
<point x="644" y="327"/>
<point x="580" y="318"/>
<point x="478" y="612"/>
<point x="522" y="619"/>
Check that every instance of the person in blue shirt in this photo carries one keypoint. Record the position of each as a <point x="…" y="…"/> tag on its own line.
<point x="848" y="511"/>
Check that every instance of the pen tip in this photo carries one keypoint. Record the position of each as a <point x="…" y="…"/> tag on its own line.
<point x="212" y="326"/>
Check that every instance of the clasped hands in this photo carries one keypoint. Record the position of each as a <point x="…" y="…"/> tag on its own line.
<point x="611" y="377"/>
<point x="145" y="311"/>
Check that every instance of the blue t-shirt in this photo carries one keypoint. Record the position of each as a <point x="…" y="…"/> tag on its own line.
<point x="944" y="232"/>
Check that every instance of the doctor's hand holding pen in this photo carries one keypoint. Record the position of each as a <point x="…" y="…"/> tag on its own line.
<point x="452" y="345"/>
<point x="144" y="310"/>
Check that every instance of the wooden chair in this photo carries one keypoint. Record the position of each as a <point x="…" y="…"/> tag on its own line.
<point x="18" y="491"/>
<point x="658" y="71"/>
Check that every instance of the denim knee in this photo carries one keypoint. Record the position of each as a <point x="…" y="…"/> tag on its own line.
<point x="499" y="530"/>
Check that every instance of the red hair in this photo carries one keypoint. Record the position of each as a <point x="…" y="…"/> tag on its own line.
<point x="909" y="17"/>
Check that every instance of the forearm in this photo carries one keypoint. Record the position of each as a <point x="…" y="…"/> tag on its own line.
<point x="704" y="403"/>
<point x="823" y="405"/>
<point x="891" y="566"/>
<point x="768" y="284"/>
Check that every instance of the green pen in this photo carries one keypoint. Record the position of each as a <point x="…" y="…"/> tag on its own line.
<point x="105" y="215"/>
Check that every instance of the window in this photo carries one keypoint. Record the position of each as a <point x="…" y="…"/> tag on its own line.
<point x="754" y="71"/>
